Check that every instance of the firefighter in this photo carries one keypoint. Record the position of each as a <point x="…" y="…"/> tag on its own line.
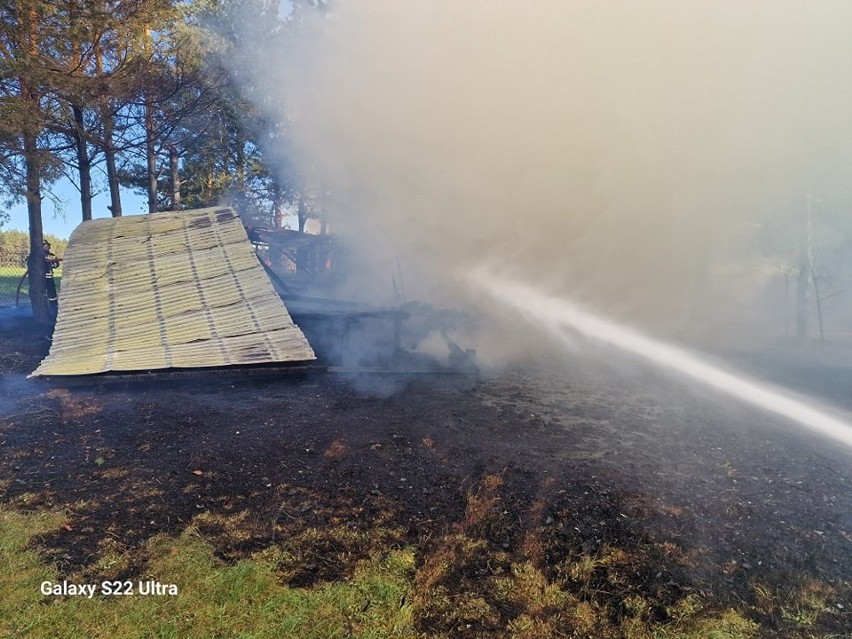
<point x="50" y="263"/>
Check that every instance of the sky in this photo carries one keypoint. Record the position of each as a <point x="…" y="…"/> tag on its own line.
<point x="60" y="221"/>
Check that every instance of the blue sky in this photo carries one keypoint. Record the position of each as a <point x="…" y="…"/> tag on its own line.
<point x="62" y="222"/>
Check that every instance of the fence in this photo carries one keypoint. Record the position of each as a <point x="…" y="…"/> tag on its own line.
<point x="14" y="287"/>
<point x="13" y="266"/>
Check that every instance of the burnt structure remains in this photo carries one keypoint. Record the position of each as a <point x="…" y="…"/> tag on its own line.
<point x="349" y="335"/>
<point x="195" y="291"/>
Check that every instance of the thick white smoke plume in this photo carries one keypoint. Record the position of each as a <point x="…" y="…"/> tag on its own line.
<point x="652" y="159"/>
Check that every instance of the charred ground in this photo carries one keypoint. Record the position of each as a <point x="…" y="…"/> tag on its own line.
<point x="533" y="499"/>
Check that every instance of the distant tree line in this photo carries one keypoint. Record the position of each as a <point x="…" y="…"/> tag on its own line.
<point x="18" y="242"/>
<point x="135" y="93"/>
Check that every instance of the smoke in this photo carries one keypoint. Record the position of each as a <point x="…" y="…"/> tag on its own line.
<point x="651" y="159"/>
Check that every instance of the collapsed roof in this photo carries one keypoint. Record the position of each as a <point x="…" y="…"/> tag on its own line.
<point x="167" y="290"/>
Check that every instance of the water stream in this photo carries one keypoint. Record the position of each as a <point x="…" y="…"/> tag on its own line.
<point x="561" y="316"/>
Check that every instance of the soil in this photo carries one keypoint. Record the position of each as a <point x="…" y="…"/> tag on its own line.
<point x="701" y="496"/>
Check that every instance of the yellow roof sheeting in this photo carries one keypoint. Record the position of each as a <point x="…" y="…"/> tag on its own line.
<point x="179" y="289"/>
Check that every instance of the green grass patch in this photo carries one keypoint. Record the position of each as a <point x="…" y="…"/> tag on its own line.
<point x="13" y="271"/>
<point x="246" y="600"/>
<point x="732" y="625"/>
<point x="9" y="280"/>
<point x="388" y="595"/>
<point x="468" y="586"/>
<point x="10" y="277"/>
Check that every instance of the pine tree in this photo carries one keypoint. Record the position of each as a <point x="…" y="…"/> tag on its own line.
<point x="28" y="37"/>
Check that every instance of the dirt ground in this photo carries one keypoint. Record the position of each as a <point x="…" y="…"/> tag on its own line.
<point x="543" y="463"/>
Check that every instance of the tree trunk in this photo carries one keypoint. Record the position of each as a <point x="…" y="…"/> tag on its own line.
<point x="804" y="275"/>
<point x="174" y="177"/>
<point x="323" y="214"/>
<point x="32" y="128"/>
<point x="302" y="214"/>
<point x="112" y="171"/>
<point x="112" y="178"/>
<point x="150" y="154"/>
<point x="35" y="261"/>
<point x="84" y="164"/>
<point x="109" y="158"/>
<point x="108" y="145"/>
<point x="240" y="160"/>
<point x="277" y="206"/>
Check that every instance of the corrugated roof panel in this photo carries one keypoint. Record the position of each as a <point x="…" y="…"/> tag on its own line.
<point x="167" y="290"/>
